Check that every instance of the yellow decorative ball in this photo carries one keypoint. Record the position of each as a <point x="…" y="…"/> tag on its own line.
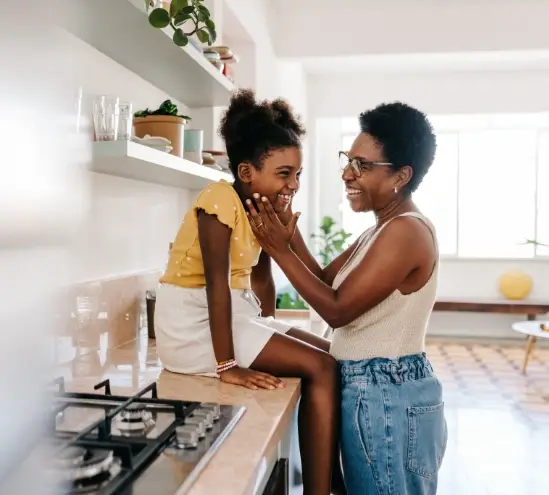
<point x="515" y="285"/>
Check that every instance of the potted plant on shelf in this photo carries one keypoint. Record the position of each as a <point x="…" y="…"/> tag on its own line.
<point x="183" y="12"/>
<point x="288" y="298"/>
<point x="165" y="122"/>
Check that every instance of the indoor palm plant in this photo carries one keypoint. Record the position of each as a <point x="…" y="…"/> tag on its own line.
<point x="331" y="240"/>
<point x="184" y="13"/>
<point x="535" y="243"/>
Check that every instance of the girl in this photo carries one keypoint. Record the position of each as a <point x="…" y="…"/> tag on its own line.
<point x="216" y="300"/>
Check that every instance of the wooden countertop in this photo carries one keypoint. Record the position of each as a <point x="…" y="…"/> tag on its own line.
<point x="234" y="468"/>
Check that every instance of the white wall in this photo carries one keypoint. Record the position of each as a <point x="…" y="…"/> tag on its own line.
<point x="332" y="97"/>
<point x="129" y="223"/>
<point x="252" y="16"/>
<point x="291" y="84"/>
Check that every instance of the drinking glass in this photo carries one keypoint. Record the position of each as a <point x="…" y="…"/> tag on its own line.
<point x="106" y="110"/>
<point x="125" y="120"/>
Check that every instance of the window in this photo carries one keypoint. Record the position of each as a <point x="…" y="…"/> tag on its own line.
<point x="542" y="230"/>
<point x="484" y="192"/>
<point x="497" y="188"/>
<point x="440" y="187"/>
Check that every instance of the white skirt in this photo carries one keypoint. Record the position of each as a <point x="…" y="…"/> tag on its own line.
<point x="182" y="328"/>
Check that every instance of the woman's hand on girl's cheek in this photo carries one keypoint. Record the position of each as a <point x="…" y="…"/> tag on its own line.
<point x="271" y="233"/>
<point x="286" y="216"/>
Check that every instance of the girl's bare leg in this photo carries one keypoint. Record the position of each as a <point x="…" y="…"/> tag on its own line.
<point x="318" y="418"/>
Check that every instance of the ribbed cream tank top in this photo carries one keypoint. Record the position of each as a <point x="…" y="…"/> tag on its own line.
<point x="396" y="326"/>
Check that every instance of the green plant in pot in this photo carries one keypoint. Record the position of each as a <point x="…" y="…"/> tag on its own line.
<point x="183" y="13"/>
<point x="331" y="240"/>
<point x="165" y="122"/>
<point x="289" y="299"/>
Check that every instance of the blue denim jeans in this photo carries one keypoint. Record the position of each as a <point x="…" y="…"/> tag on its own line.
<point x="393" y="430"/>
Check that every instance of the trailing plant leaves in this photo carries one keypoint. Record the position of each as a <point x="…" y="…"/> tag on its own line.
<point x="180" y="12"/>
<point x="181" y="19"/>
<point x="159" y="18"/>
<point x="177" y="5"/>
<point x="203" y="13"/>
<point x="180" y="38"/>
<point x="203" y="36"/>
<point x="204" y="9"/>
<point x="210" y="25"/>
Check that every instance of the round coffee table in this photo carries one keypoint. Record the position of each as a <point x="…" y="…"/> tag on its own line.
<point x="533" y="330"/>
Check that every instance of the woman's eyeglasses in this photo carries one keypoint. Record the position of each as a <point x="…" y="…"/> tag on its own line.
<point x="358" y="165"/>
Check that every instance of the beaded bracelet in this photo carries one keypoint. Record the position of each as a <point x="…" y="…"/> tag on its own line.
<point x="226" y="365"/>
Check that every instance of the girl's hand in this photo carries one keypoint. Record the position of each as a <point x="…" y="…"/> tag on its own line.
<point x="251" y="379"/>
<point x="270" y="232"/>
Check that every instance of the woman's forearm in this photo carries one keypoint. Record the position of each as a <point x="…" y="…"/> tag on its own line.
<point x="220" y="313"/>
<point x="300" y="248"/>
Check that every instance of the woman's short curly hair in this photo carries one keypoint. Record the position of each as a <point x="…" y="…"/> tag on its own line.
<point x="252" y="129"/>
<point x="406" y="136"/>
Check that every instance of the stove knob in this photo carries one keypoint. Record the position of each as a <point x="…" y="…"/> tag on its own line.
<point x="214" y="408"/>
<point x="205" y="415"/>
<point x="197" y="424"/>
<point x="186" y="437"/>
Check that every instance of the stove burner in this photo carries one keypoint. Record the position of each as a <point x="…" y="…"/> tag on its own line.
<point x="93" y="485"/>
<point x="78" y="465"/>
<point x="133" y="411"/>
<point x="71" y="456"/>
<point x="101" y="467"/>
<point x="134" y="418"/>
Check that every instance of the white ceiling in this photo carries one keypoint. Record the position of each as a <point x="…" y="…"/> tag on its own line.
<point x="349" y="36"/>
<point x="429" y="62"/>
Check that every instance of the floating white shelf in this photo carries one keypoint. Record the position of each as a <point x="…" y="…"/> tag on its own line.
<point x="120" y="29"/>
<point x="135" y="161"/>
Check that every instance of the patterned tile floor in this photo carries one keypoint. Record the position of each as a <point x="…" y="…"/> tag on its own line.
<point x="498" y="419"/>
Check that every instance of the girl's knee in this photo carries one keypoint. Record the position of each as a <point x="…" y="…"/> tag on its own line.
<point x="322" y="366"/>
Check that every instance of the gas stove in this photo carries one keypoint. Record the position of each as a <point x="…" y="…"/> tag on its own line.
<point x="107" y="444"/>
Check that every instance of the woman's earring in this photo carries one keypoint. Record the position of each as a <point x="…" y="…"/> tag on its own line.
<point x="396" y="190"/>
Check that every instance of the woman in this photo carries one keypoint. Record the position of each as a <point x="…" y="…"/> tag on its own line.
<point x="216" y="300"/>
<point x="378" y="296"/>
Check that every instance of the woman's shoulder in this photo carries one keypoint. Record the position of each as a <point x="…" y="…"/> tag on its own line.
<point x="412" y="231"/>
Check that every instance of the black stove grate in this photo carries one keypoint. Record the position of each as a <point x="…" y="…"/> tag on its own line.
<point x="135" y="453"/>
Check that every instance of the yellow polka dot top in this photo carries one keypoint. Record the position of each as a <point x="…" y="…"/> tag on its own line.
<point x="185" y="266"/>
